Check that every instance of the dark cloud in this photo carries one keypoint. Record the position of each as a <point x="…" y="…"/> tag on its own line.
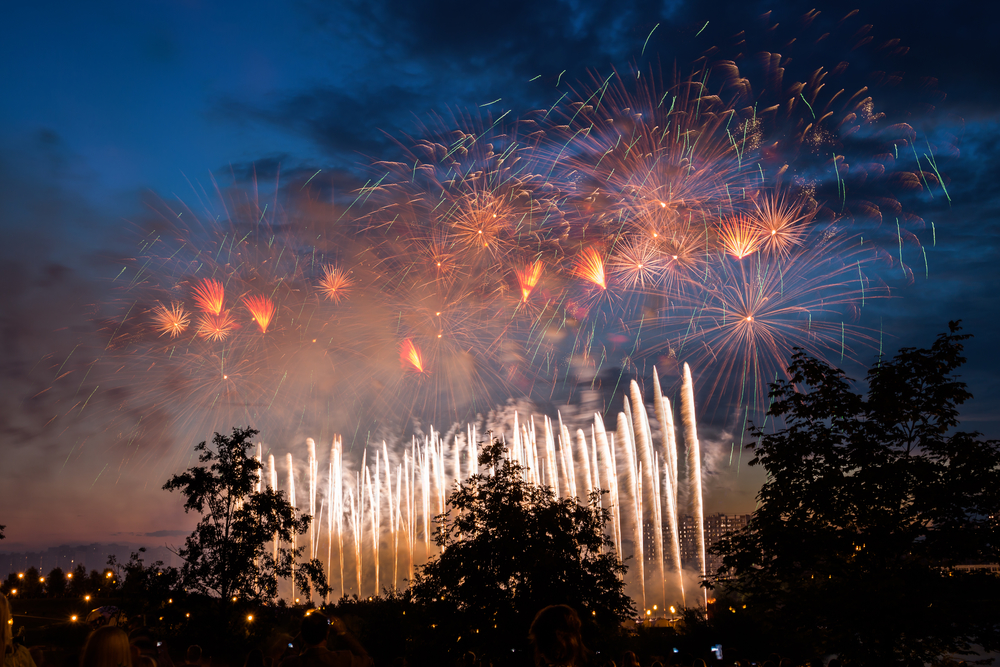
<point x="267" y="169"/>
<point x="347" y="126"/>
<point x="166" y="533"/>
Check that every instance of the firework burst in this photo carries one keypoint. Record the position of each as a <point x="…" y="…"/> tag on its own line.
<point x="335" y="284"/>
<point x="172" y="320"/>
<point x="210" y="296"/>
<point x="688" y="217"/>
<point x="261" y="310"/>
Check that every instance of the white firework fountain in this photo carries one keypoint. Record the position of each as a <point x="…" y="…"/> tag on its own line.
<point x="384" y="512"/>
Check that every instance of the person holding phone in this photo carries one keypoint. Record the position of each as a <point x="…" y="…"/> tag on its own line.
<point x="316" y="629"/>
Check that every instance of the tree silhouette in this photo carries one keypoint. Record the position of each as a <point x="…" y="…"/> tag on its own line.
<point x="55" y="583"/>
<point x="228" y="555"/>
<point x="78" y="584"/>
<point x="509" y="549"/>
<point x="870" y="505"/>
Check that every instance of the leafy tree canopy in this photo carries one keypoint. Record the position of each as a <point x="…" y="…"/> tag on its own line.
<point x="511" y="548"/>
<point x="230" y="552"/>
<point x="145" y="588"/>
<point x="871" y="504"/>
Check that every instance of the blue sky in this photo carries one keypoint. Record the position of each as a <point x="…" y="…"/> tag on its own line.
<point x="111" y="105"/>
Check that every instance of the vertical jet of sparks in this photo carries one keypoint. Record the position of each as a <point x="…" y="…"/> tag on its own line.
<point x="411" y="521"/>
<point x="604" y="449"/>
<point x="261" y="310"/>
<point x="374" y="508"/>
<point x="625" y="437"/>
<point x="210" y="296"/>
<point x="329" y="529"/>
<point x="392" y="514"/>
<point x="472" y="456"/>
<point x="274" y="487"/>
<point x="313" y="482"/>
<point x="336" y="452"/>
<point x="397" y="522"/>
<point x="359" y="524"/>
<point x="644" y="442"/>
<point x="355" y="521"/>
<point x="581" y="446"/>
<point x="291" y="496"/>
<point x="550" y="458"/>
<point x="425" y="499"/>
<point x="665" y="416"/>
<point x="566" y="459"/>
<point x="694" y="468"/>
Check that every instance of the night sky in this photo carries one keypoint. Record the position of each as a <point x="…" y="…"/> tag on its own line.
<point x="111" y="110"/>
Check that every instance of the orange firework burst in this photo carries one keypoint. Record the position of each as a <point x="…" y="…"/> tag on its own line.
<point x="740" y="236"/>
<point x="590" y="267"/>
<point x="261" y="310"/>
<point x="636" y="262"/>
<point x="216" y="327"/>
<point x="335" y="284"/>
<point x="528" y="277"/>
<point x="210" y="296"/>
<point x="172" y="320"/>
<point x="761" y="309"/>
<point x="780" y="223"/>
<point x="410" y="355"/>
<point x="479" y="221"/>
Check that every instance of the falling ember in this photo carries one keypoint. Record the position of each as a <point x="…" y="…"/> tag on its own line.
<point x="261" y="309"/>
<point x="591" y="267"/>
<point x="410" y="356"/>
<point x="528" y="277"/>
<point x="210" y="295"/>
<point x="173" y="320"/>
<point x="216" y="327"/>
<point x="335" y="283"/>
<point x="740" y="236"/>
